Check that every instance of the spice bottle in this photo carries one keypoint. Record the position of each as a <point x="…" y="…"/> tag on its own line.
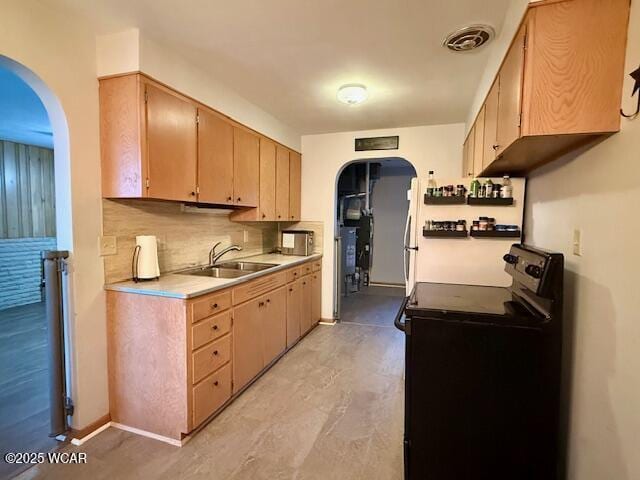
<point x="431" y="185"/>
<point x="507" y="188"/>
<point x="474" y="188"/>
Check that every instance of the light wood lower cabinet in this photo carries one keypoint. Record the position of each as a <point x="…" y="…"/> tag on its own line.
<point x="174" y="363"/>
<point x="210" y="394"/>
<point x="294" y="310"/>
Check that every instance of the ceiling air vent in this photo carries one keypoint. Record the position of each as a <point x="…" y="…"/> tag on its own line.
<point x="468" y="38"/>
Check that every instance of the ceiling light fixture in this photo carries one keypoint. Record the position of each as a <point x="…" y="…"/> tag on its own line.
<point x="352" y="94"/>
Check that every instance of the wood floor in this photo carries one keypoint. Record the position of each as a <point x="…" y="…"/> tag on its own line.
<point x="331" y="408"/>
<point x="24" y="387"/>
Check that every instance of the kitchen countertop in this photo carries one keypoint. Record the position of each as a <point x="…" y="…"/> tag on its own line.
<point x="178" y="285"/>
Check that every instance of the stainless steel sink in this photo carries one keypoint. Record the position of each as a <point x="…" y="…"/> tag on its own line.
<point x="246" y="266"/>
<point x="215" y="272"/>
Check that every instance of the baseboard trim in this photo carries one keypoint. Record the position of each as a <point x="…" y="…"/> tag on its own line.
<point x="154" y="436"/>
<point x="390" y="285"/>
<point x="89" y="431"/>
<point x="326" y="321"/>
<point x="79" y="441"/>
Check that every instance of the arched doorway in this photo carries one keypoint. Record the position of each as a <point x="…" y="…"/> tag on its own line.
<point x="35" y="216"/>
<point x="371" y="211"/>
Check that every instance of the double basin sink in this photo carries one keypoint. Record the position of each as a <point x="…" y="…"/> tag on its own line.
<point x="229" y="269"/>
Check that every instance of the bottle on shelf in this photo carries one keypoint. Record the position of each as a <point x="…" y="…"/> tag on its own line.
<point x="431" y="185"/>
<point x="488" y="188"/>
<point x="474" y="188"/>
<point x="507" y="189"/>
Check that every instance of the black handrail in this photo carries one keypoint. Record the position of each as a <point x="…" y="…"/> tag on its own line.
<point x="401" y="325"/>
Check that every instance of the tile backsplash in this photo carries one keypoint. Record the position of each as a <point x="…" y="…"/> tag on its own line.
<point x="185" y="235"/>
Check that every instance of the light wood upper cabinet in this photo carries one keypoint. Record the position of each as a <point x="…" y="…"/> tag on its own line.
<point x="467" y="154"/>
<point x="282" y="183"/>
<point x="478" y="144"/>
<point x="215" y="158"/>
<point x="246" y="167"/>
<point x="267" y="208"/>
<point x="171" y="145"/>
<point x="490" y="137"/>
<point x="295" y="172"/>
<point x="274" y="324"/>
<point x="510" y="93"/>
<point x="559" y="87"/>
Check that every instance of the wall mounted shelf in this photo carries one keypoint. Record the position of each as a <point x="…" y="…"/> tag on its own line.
<point x="494" y="202"/>
<point x="457" y="200"/>
<point x="495" y="234"/>
<point x="444" y="233"/>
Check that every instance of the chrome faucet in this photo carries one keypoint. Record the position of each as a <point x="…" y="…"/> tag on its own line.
<point x="214" y="257"/>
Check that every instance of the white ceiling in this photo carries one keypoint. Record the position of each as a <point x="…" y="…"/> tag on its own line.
<point x="290" y="56"/>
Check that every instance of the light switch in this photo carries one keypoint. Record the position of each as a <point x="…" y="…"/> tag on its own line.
<point x="108" y="245"/>
<point x="577" y="242"/>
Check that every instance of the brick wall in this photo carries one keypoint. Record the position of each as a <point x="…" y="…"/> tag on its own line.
<point x="20" y="270"/>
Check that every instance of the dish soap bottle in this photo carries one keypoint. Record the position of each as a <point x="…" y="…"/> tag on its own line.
<point x="507" y="189"/>
<point x="431" y="185"/>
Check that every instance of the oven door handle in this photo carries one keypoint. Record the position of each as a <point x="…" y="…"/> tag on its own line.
<point x="401" y="325"/>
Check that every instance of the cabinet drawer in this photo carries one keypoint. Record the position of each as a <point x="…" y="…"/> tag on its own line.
<point x="307" y="268"/>
<point x="211" y="394"/>
<point x="258" y="287"/>
<point x="316" y="265"/>
<point x="293" y="274"/>
<point x="209" y="305"/>
<point x="210" y="358"/>
<point x="210" y="329"/>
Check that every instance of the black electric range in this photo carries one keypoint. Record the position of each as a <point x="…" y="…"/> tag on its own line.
<point x="482" y="382"/>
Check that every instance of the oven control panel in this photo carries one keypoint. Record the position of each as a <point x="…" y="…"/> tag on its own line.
<point x="527" y="267"/>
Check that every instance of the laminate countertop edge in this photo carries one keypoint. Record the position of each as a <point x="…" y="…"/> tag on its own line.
<point x="176" y="285"/>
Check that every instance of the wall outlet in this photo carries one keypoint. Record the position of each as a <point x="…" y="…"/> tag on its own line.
<point x="108" y="245"/>
<point x="577" y="242"/>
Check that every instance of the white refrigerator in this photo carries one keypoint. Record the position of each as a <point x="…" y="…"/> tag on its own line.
<point x="468" y="260"/>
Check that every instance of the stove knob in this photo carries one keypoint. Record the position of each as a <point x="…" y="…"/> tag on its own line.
<point x="511" y="259"/>
<point x="533" y="271"/>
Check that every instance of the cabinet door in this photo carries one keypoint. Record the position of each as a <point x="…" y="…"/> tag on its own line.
<point x="316" y="297"/>
<point x="274" y="324"/>
<point x="246" y="167"/>
<point x="478" y="146"/>
<point x="295" y="172"/>
<point x="491" y="125"/>
<point x="215" y="159"/>
<point x="282" y="183"/>
<point x="470" y="147"/>
<point x="294" y="311"/>
<point x="247" y="343"/>
<point x="306" y="321"/>
<point x="510" y="93"/>
<point x="465" y="158"/>
<point x="171" y="145"/>
<point x="267" y="180"/>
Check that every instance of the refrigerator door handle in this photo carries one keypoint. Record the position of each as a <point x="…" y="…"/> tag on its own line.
<point x="401" y="325"/>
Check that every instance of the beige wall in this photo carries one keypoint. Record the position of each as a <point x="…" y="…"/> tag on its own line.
<point x="60" y="53"/>
<point x="597" y="191"/>
<point x="437" y="147"/>
<point x="184" y="236"/>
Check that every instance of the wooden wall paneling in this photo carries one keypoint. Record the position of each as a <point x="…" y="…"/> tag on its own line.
<point x="295" y="185"/>
<point x="172" y="145"/>
<point x="147" y="357"/>
<point x="575" y="63"/>
<point x="478" y="145"/>
<point x="490" y="125"/>
<point x="122" y="137"/>
<point x="510" y="93"/>
<point x="215" y="158"/>
<point x="246" y="167"/>
<point x="267" y="210"/>
<point x="282" y="183"/>
<point x="27" y="191"/>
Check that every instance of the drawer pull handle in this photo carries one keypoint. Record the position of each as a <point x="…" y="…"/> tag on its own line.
<point x="261" y="304"/>
<point x="268" y="300"/>
<point x="291" y="289"/>
<point x="215" y="384"/>
<point x="214" y="306"/>
<point x="215" y="352"/>
<point x="215" y="327"/>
